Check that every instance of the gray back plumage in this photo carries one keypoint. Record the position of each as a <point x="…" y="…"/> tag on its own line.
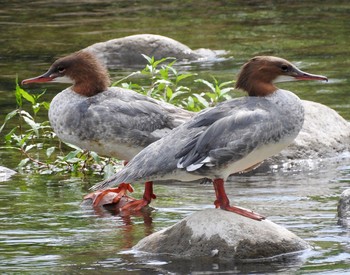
<point x="117" y="115"/>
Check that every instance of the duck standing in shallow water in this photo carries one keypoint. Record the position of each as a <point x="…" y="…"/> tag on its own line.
<point x="229" y="138"/>
<point x="111" y="121"/>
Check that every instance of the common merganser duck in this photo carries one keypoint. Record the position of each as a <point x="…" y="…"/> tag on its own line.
<point x="111" y="121"/>
<point x="229" y="138"/>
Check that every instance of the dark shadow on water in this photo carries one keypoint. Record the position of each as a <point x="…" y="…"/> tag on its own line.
<point x="166" y="264"/>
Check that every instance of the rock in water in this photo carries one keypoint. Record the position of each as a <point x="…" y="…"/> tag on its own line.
<point x="344" y="209"/>
<point x="324" y="134"/>
<point x="127" y="51"/>
<point x="223" y="234"/>
<point x="6" y="173"/>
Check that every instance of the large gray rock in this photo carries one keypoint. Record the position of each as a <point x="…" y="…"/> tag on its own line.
<point x="325" y="134"/>
<point x="223" y="234"/>
<point x="344" y="209"/>
<point x="127" y="51"/>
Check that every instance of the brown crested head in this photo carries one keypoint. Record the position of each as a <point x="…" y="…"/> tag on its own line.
<point x="83" y="69"/>
<point x="258" y="75"/>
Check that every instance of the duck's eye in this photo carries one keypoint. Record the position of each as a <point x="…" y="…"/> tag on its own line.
<point x="61" y="70"/>
<point x="284" y="68"/>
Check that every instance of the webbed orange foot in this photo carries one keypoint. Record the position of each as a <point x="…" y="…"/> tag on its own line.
<point x="240" y="211"/>
<point x="110" y="196"/>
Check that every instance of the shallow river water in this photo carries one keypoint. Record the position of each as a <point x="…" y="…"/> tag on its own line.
<point x="43" y="227"/>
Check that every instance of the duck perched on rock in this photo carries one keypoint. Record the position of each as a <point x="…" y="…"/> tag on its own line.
<point x="234" y="136"/>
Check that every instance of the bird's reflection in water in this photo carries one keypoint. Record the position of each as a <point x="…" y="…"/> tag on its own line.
<point x="130" y="222"/>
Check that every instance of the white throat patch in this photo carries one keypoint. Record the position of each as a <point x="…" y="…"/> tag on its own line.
<point x="284" y="78"/>
<point x="63" y="79"/>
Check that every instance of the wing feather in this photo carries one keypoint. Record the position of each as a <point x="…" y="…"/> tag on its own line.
<point x="240" y="133"/>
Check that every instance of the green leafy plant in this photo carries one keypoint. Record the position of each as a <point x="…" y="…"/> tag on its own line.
<point x="165" y="83"/>
<point x="44" y="153"/>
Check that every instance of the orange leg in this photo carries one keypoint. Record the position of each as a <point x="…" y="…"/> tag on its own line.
<point x="137" y="205"/>
<point x="223" y="202"/>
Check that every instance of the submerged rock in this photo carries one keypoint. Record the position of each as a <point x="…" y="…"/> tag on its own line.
<point x="127" y="51"/>
<point x="223" y="234"/>
<point x="344" y="209"/>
